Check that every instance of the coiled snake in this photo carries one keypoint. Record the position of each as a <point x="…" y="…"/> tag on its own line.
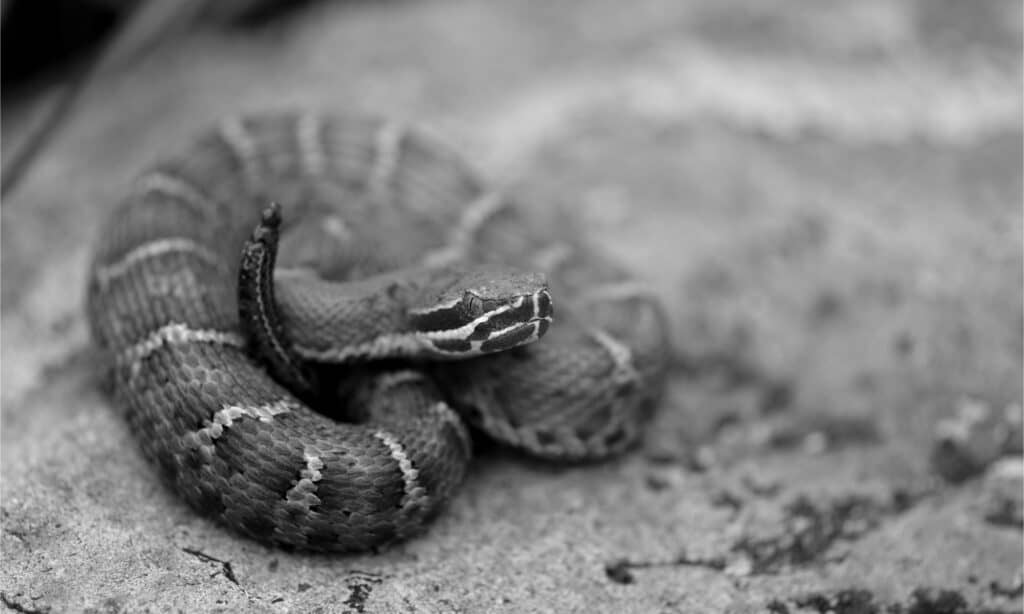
<point x="393" y="255"/>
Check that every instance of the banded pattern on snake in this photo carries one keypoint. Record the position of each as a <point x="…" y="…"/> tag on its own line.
<point x="393" y="289"/>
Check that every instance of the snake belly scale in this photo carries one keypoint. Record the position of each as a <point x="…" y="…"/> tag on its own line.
<point x="363" y="200"/>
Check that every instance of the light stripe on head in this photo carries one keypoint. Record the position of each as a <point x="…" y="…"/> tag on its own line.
<point x="438" y="317"/>
<point x="523" y="320"/>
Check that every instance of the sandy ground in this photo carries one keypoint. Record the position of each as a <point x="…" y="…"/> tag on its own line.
<point x="827" y="196"/>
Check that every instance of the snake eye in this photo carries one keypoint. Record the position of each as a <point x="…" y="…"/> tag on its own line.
<point x="451" y="316"/>
<point x="474" y="305"/>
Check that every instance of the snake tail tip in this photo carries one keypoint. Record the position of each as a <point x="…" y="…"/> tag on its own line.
<point x="271" y="215"/>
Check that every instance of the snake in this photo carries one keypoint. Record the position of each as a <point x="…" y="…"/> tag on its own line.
<point x="310" y="319"/>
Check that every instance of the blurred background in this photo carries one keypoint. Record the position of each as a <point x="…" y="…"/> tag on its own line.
<point x="826" y="195"/>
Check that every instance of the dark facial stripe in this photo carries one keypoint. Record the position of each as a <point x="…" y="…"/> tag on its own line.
<point x="447" y="318"/>
<point x="510" y="339"/>
<point x="452" y="345"/>
<point x="518" y="315"/>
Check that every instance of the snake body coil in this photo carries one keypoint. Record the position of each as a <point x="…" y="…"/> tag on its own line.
<point x="364" y="200"/>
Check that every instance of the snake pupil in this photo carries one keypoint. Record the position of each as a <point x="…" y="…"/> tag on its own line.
<point x="474" y="305"/>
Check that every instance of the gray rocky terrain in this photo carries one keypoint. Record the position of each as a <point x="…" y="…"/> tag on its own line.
<point x="826" y="195"/>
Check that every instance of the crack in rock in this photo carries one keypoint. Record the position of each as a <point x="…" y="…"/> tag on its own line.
<point x="225" y="566"/>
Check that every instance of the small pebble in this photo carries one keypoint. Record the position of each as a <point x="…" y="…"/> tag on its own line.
<point x="973" y="438"/>
<point x="1002" y="496"/>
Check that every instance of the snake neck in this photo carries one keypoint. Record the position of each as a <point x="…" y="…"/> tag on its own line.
<point x="439" y="313"/>
<point x="417" y="313"/>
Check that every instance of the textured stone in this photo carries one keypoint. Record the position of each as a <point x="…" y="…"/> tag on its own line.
<point x="827" y="195"/>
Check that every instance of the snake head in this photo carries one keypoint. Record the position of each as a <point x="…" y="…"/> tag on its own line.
<point x="484" y="310"/>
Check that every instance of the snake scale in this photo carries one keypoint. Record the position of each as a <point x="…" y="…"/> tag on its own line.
<point x="389" y="235"/>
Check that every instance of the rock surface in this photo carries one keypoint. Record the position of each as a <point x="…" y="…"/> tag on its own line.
<point x="827" y="195"/>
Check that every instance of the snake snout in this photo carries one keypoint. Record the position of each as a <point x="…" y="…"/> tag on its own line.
<point x="521" y="321"/>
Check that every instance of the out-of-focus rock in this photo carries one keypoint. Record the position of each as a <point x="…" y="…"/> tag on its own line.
<point x="974" y="437"/>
